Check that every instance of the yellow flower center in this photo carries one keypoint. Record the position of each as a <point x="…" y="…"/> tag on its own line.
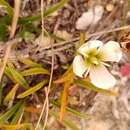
<point x="93" y="57"/>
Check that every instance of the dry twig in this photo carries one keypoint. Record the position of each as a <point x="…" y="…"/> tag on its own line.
<point x="12" y="33"/>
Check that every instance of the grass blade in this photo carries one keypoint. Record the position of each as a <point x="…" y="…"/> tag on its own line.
<point x="46" y="13"/>
<point x="7" y="115"/>
<point x="15" y="127"/>
<point x="7" y="7"/>
<point x="18" y="78"/>
<point x="71" y="125"/>
<point x="32" y="89"/>
<point x="90" y="86"/>
<point x="11" y="93"/>
<point x="18" y="114"/>
<point x="55" y="7"/>
<point x="29" y="62"/>
<point x="8" y="73"/>
<point x="35" y="71"/>
<point x="74" y="112"/>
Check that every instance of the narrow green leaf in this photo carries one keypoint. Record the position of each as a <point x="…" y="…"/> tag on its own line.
<point x="7" y="115"/>
<point x="29" y="62"/>
<point x="76" y="113"/>
<point x="55" y="7"/>
<point x="32" y="89"/>
<point x="11" y="93"/>
<point x="35" y="71"/>
<point x="1" y="92"/>
<point x="5" y="20"/>
<point x="8" y="73"/>
<point x="71" y="125"/>
<point x="90" y="86"/>
<point x="46" y="13"/>
<point x="16" y="126"/>
<point x="4" y="32"/>
<point x="18" y="77"/>
<point x="7" y="7"/>
<point x="18" y="114"/>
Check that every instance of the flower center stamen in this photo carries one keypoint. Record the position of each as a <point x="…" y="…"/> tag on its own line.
<point x="93" y="57"/>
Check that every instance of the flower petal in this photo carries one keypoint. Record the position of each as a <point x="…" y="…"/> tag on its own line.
<point x="84" y="21"/>
<point x="91" y="17"/>
<point x="79" y="67"/>
<point x="90" y="44"/>
<point x="101" y="77"/>
<point x="98" y="12"/>
<point x="111" y="51"/>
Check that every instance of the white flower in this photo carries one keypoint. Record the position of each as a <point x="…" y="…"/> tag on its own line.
<point x="92" y="59"/>
<point x="91" y="17"/>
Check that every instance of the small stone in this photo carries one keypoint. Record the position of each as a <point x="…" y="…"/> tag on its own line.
<point x="109" y="7"/>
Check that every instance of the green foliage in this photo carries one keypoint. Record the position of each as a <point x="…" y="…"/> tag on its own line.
<point x="4" y="21"/>
<point x="46" y="13"/>
<point x="86" y="84"/>
<point x="7" y="115"/>
<point x="32" y="89"/>
<point x="18" y="77"/>
<point x="10" y="94"/>
<point x="35" y="71"/>
<point x="29" y="62"/>
<point x="68" y="123"/>
<point x="73" y="111"/>
<point x="23" y="126"/>
<point x="7" y="7"/>
<point x="18" y="114"/>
